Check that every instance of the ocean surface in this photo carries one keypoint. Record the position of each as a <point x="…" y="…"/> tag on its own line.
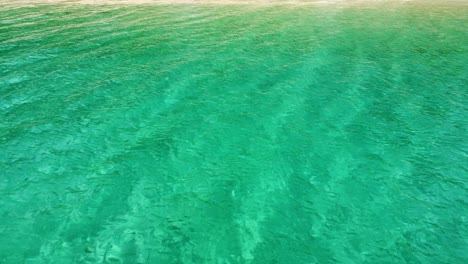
<point x="212" y="133"/>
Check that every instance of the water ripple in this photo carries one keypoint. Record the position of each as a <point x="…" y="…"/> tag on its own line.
<point x="206" y="133"/>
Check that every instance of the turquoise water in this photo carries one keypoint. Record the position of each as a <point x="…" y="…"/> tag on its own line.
<point x="233" y="134"/>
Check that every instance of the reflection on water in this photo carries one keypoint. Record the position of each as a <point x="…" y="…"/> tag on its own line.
<point x="233" y="134"/>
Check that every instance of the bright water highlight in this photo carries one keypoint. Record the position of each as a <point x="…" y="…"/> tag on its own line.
<point x="233" y="134"/>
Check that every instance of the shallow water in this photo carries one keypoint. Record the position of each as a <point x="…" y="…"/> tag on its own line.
<point x="233" y="134"/>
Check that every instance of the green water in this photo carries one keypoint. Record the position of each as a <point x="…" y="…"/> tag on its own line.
<point x="233" y="134"/>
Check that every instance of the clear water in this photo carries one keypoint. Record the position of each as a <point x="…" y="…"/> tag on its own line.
<point x="233" y="134"/>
